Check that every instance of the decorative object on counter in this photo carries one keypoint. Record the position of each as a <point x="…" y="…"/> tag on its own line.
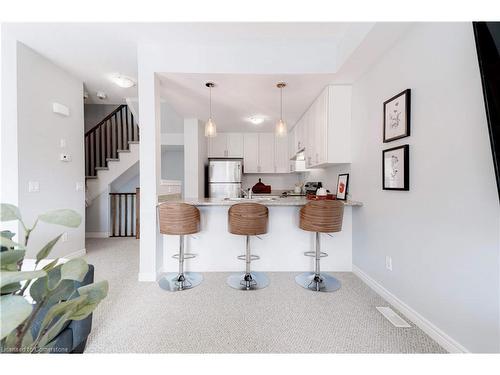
<point x="342" y="186"/>
<point x="179" y="219"/>
<point x="397" y="116"/>
<point x="281" y="128"/>
<point x="298" y="188"/>
<point x="320" y="217"/>
<point x="396" y="168"/>
<point x="261" y="188"/>
<point x="321" y="192"/>
<point x="210" y="127"/>
<point x="49" y="309"/>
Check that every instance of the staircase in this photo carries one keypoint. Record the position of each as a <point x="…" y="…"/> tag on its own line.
<point x="111" y="148"/>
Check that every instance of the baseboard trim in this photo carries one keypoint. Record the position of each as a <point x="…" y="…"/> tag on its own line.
<point x="96" y="234"/>
<point x="76" y="254"/>
<point x="448" y="343"/>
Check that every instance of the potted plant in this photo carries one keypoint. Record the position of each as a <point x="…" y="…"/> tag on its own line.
<point x="39" y="306"/>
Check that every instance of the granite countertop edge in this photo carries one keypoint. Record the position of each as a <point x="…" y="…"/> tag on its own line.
<point x="288" y="201"/>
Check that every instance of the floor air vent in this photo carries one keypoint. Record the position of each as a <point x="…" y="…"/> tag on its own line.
<point x="394" y="318"/>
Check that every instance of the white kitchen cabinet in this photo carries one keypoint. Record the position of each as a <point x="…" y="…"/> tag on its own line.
<point x="326" y="128"/>
<point x="267" y="162"/>
<point x="251" y="153"/>
<point x="234" y="145"/>
<point x="264" y="153"/>
<point x="281" y="159"/>
<point x="226" y="145"/>
<point x="217" y="146"/>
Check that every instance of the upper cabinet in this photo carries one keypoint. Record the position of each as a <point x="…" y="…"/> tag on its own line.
<point x="264" y="153"/>
<point x="326" y="128"/>
<point x="226" y="145"/>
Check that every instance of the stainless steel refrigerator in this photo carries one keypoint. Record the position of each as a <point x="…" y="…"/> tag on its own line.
<point x="224" y="178"/>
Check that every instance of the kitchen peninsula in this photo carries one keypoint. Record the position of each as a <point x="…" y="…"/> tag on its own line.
<point x="281" y="249"/>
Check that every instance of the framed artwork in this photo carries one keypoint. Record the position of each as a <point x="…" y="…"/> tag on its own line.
<point x="396" y="168"/>
<point x="397" y="116"/>
<point x="342" y="185"/>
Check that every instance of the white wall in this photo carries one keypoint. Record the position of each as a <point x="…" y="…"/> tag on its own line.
<point x="95" y="113"/>
<point x="172" y="163"/>
<point x="442" y="235"/>
<point x="195" y="158"/>
<point x="39" y="84"/>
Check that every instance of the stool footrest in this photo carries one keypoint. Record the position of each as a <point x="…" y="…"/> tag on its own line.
<point x="244" y="257"/>
<point x="313" y="254"/>
<point x="186" y="256"/>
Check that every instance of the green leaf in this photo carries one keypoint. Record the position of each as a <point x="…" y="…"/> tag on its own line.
<point x="39" y="289"/>
<point x="15" y="310"/>
<point x="8" y="243"/>
<point x="50" y="265"/>
<point x="14" y="277"/>
<point x="74" y="269"/>
<point x="65" y="217"/>
<point x="60" y="309"/>
<point x="11" y="288"/>
<point x="44" y="253"/>
<point x="9" y="212"/>
<point x="96" y="291"/>
<point x="54" y="330"/>
<point x="9" y="259"/>
<point x="65" y="289"/>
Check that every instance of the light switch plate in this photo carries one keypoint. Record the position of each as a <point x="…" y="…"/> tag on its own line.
<point x="33" y="186"/>
<point x="388" y="262"/>
<point x="79" y="186"/>
<point x="64" y="237"/>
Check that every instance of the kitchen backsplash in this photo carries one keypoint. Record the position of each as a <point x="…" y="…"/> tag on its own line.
<point x="277" y="181"/>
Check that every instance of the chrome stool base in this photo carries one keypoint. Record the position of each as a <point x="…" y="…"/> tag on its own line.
<point x="174" y="283"/>
<point x="325" y="282"/>
<point x="251" y="281"/>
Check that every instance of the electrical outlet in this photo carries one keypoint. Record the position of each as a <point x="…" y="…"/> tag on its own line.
<point x="64" y="237"/>
<point x="33" y="186"/>
<point x="388" y="262"/>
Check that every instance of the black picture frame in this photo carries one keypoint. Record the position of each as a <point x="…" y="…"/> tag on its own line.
<point x="407" y="94"/>
<point x="406" y="168"/>
<point x="346" y="186"/>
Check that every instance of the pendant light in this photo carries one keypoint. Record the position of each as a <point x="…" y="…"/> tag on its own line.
<point x="210" y="127"/>
<point x="281" y="129"/>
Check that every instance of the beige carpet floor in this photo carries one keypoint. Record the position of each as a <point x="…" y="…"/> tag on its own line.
<point x="213" y="318"/>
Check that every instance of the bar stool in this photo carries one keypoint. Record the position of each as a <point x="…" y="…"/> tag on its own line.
<point x="179" y="219"/>
<point x="248" y="219"/>
<point x="323" y="216"/>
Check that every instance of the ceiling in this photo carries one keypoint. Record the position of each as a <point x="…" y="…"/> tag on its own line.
<point x="94" y="51"/>
<point x="237" y="97"/>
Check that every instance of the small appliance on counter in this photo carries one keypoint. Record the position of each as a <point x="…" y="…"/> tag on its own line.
<point x="224" y="178"/>
<point x="316" y="191"/>
<point x="261" y="188"/>
<point x="312" y="187"/>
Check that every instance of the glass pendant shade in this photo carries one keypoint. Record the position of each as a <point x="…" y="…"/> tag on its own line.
<point x="210" y="129"/>
<point x="281" y="129"/>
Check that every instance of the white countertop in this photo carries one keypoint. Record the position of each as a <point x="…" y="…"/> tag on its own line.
<point x="268" y="201"/>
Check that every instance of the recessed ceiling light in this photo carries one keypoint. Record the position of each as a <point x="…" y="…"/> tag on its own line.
<point x="122" y="81"/>
<point x="256" y="119"/>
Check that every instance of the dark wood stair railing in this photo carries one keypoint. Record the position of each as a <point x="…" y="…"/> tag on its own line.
<point x="124" y="215"/>
<point x="108" y="138"/>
